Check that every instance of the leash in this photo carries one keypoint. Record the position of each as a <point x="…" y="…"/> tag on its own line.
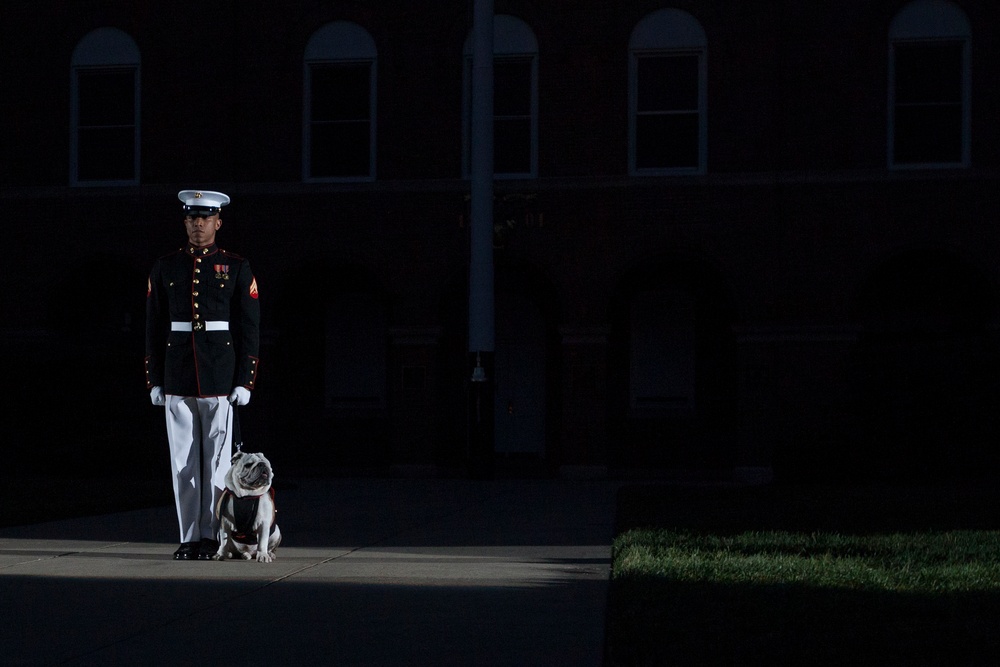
<point x="237" y="435"/>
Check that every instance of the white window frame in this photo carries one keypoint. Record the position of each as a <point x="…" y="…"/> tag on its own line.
<point x="929" y="21"/>
<point x="101" y="50"/>
<point x="512" y="39"/>
<point x="667" y="32"/>
<point x="339" y="43"/>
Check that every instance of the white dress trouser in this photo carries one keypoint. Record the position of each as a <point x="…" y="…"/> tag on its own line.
<point x="200" y="436"/>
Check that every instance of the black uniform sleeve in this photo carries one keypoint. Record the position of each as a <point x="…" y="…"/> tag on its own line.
<point x="246" y="315"/>
<point x="157" y="324"/>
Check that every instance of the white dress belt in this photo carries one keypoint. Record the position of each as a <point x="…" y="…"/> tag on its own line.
<point x="210" y="325"/>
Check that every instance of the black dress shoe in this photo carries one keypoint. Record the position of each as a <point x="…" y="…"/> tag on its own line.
<point x="187" y="551"/>
<point x="207" y="549"/>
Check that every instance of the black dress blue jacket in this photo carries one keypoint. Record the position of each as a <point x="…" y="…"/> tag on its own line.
<point x="194" y="286"/>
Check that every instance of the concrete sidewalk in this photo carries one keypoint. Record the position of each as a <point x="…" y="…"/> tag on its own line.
<point x="371" y="572"/>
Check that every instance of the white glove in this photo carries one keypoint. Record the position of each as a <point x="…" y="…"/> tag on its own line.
<point x="240" y="396"/>
<point x="156" y="396"/>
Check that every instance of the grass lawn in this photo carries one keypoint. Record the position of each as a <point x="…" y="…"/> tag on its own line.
<point x="806" y="576"/>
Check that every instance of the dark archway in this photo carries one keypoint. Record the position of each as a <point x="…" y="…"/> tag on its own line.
<point x="92" y="368"/>
<point x="927" y="370"/>
<point x="327" y="382"/>
<point x="673" y="367"/>
<point x="521" y="290"/>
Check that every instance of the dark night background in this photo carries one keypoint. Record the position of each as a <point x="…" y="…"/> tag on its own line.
<point x="732" y="238"/>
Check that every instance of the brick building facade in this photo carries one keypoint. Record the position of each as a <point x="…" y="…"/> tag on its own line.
<point x="731" y="238"/>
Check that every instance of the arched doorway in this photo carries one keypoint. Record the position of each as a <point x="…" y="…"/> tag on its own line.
<point x="526" y="369"/>
<point x="520" y="398"/>
<point x="526" y="372"/>
<point x="672" y="368"/>
<point x="927" y="375"/>
<point x="328" y="380"/>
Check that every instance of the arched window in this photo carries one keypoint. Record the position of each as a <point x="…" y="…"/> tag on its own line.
<point x="104" y="109"/>
<point x="667" y="94"/>
<point x="515" y="100"/>
<point x="929" y="86"/>
<point x="338" y="142"/>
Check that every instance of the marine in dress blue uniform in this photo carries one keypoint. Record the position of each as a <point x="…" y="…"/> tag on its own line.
<point x="202" y="341"/>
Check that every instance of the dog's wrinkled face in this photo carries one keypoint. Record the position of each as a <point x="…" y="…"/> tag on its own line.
<point x="251" y="472"/>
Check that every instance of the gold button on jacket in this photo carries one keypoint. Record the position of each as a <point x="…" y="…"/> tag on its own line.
<point x="201" y="362"/>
